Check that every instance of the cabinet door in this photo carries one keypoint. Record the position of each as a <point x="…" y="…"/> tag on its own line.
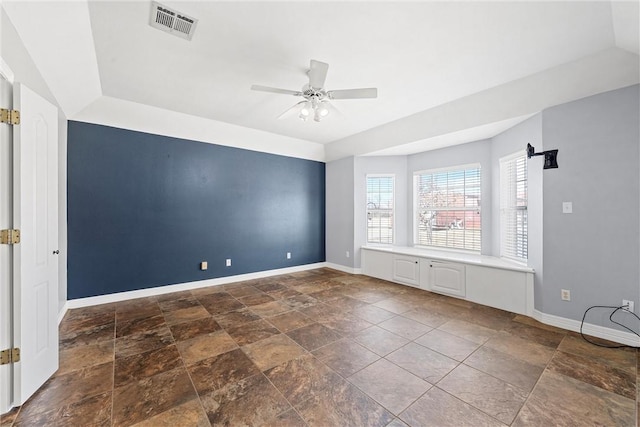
<point x="447" y="278"/>
<point x="406" y="270"/>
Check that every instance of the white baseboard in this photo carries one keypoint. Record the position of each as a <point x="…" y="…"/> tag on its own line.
<point x="344" y="268"/>
<point x="62" y="312"/>
<point x="588" y="329"/>
<point x="160" y="290"/>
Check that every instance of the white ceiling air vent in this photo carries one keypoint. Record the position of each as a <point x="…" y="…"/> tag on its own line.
<point x="171" y="21"/>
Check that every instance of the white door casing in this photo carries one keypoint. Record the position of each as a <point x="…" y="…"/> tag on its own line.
<point x="6" y="221"/>
<point x="35" y="260"/>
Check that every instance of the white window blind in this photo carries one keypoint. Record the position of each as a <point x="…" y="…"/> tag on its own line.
<point x="513" y="207"/>
<point x="380" y="203"/>
<point x="447" y="205"/>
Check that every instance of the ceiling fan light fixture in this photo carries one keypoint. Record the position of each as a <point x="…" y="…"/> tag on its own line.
<point x="322" y="109"/>
<point x="306" y="109"/>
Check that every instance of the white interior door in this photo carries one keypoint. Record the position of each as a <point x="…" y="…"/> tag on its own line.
<point x="35" y="260"/>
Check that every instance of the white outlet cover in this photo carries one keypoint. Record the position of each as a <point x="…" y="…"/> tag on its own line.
<point x="567" y="207"/>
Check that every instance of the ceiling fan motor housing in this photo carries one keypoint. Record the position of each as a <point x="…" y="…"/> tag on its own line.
<point x="310" y="93"/>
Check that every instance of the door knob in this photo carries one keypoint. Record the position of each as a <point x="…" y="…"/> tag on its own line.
<point x="56" y="252"/>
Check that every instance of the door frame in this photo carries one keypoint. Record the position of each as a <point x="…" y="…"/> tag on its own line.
<point x="6" y="305"/>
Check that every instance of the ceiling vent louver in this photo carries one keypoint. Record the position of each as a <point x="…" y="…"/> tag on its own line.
<point x="171" y="21"/>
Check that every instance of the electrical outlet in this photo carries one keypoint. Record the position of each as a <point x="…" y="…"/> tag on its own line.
<point x="203" y="265"/>
<point x="348" y="254"/>
<point x="565" y="294"/>
<point x="288" y="255"/>
<point x="228" y="262"/>
<point x="629" y="305"/>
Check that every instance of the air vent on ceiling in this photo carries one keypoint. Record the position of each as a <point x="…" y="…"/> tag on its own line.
<point x="171" y="21"/>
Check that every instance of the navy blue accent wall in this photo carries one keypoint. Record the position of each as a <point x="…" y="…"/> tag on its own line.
<point x="144" y="210"/>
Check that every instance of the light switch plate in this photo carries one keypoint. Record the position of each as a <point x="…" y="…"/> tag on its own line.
<point x="204" y="265"/>
<point x="567" y="207"/>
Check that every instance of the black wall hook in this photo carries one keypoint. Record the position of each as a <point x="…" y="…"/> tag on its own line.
<point x="550" y="157"/>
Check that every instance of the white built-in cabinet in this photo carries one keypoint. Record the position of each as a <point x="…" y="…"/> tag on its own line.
<point x="438" y="276"/>
<point x="486" y="280"/>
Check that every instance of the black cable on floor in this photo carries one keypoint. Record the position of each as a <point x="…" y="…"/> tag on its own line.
<point x="616" y="309"/>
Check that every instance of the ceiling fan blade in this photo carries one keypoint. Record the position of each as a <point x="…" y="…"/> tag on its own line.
<point x="289" y="111"/>
<point x="276" y="90"/>
<point x="318" y="74"/>
<point x="370" y="92"/>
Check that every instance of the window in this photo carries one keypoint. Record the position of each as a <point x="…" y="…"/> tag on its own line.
<point x="380" y="202"/>
<point x="513" y="207"/>
<point x="447" y="205"/>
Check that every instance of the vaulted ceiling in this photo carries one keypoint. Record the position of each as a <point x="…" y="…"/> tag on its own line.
<point x="446" y="72"/>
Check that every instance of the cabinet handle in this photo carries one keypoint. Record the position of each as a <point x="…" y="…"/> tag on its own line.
<point x="416" y="262"/>
<point x="56" y="252"/>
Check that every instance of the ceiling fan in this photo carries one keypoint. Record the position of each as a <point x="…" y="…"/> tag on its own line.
<point x="316" y="98"/>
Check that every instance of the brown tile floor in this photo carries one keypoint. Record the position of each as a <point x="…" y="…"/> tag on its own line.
<point x="323" y="348"/>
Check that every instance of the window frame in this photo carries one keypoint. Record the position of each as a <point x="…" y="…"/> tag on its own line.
<point x="416" y="229"/>
<point x="392" y="210"/>
<point x="513" y="157"/>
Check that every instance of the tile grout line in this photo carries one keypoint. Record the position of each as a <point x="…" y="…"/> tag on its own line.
<point x="431" y="384"/>
<point x="285" y="398"/>
<point x="184" y="366"/>
<point x="311" y="355"/>
<point x="480" y="346"/>
<point x="555" y="351"/>
<point x="269" y="380"/>
<point x="385" y="358"/>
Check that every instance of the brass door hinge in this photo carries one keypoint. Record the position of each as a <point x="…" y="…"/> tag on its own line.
<point x="10" y="355"/>
<point x="11" y="117"/>
<point x="9" y="237"/>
